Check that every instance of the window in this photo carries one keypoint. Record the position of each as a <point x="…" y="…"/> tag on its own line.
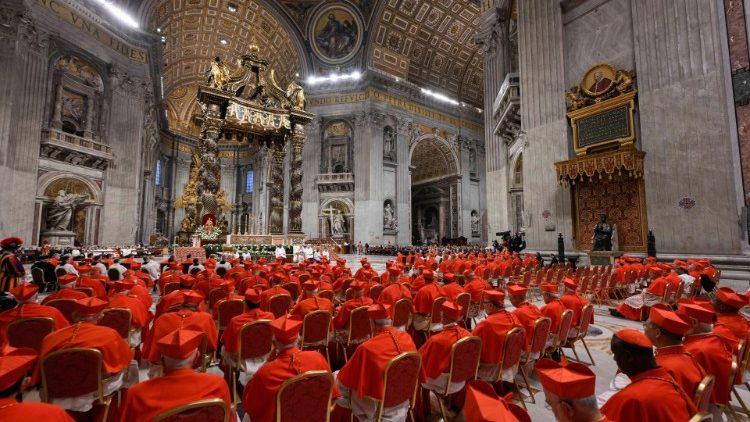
<point x="249" y="181"/>
<point x="157" y="173"/>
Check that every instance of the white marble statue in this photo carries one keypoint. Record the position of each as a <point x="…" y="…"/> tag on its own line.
<point x="389" y="219"/>
<point x="60" y="212"/>
<point x="475" y="222"/>
<point x="338" y="226"/>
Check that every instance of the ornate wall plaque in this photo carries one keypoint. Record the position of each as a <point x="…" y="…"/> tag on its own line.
<point x="336" y="33"/>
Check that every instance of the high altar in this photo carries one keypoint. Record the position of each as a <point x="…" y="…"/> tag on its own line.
<point x="246" y="105"/>
<point x="606" y="175"/>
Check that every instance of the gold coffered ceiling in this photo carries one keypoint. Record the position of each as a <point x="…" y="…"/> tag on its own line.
<point x="194" y="30"/>
<point x="432" y="159"/>
<point x="431" y="43"/>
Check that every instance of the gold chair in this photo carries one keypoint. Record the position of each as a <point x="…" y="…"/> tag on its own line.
<point x="29" y="332"/>
<point x="118" y="319"/>
<point x="255" y="340"/>
<point x="464" y="364"/>
<point x="542" y="327"/>
<point x="73" y="372"/>
<point x="587" y="313"/>
<point x="316" y="331"/>
<point x="515" y="342"/>
<point x="703" y="393"/>
<point x="359" y="329"/>
<point x="743" y="352"/>
<point x="701" y="417"/>
<point x="401" y="379"/>
<point x="208" y="410"/>
<point x="314" y="388"/>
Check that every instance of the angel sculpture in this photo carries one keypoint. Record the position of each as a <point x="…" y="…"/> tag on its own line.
<point x="575" y="98"/>
<point x="218" y="74"/>
<point x="296" y="95"/>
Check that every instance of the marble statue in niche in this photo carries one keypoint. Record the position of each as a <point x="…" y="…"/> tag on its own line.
<point x="475" y="220"/>
<point x="338" y="225"/>
<point x="389" y="144"/>
<point x="389" y="216"/>
<point x="60" y="212"/>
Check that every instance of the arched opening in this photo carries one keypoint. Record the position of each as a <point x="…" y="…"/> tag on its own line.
<point x="435" y="199"/>
<point x="336" y="154"/>
<point x="336" y="220"/>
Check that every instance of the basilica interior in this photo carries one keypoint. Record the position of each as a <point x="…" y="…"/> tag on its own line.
<point x="571" y="136"/>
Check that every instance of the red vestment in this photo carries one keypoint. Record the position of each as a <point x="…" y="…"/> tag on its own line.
<point x="28" y="310"/>
<point x="266" y="295"/>
<point x="311" y="304"/>
<point x="426" y="296"/>
<point x="651" y="396"/>
<point x="492" y="331"/>
<point x="452" y="290"/>
<point x="681" y="365"/>
<point x="231" y="336"/>
<point x="553" y="310"/>
<point x="436" y="352"/>
<point x="572" y="301"/>
<point x="259" y="398"/>
<point x="116" y="353"/>
<point x="11" y="410"/>
<point x="393" y="293"/>
<point x="364" y="371"/>
<point x="184" y="318"/>
<point x="711" y="352"/>
<point x="527" y="314"/>
<point x="341" y="320"/>
<point x="145" y="401"/>
<point x="476" y="287"/>
<point x="95" y="285"/>
<point x="733" y="328"/>
<point x="140" y="316"/>
<point x="65" y="294"/>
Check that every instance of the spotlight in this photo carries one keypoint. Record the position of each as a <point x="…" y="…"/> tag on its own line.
<point x="223" y="41"/>
<point x="232" y="7"/>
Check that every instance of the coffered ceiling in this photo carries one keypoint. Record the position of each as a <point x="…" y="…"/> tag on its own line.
<point x="427" y="42"/>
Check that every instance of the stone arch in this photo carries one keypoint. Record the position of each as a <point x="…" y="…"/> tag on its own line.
<point x="432" y="158"/>
<point x="49" y="183"/>
<point x="345" y="205"/>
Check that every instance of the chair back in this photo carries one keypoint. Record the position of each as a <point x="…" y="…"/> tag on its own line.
<point x="70" y="373"/>
<point x="401" y="312"/>
<point x="315" y="327"/>
<point x="678" y="293"/>
<point x="65" y="306"/>
<point x="293" y="289"/>
<point x="305" y="398"/>
<point x="359" y="326"/>
<point x="208" y="410"/>
<point x="375" y="291"/>
<point x="515" y="343"/>
<point x="464" y="300"/>
<point x="118" y="319"/>
<point x="401" y="377"/>
<point x="326" y="294"/>
<point x="29" y="332"/>
<point x="215" y="295"/>
<point x="437" y="309"/>
<point x="465" y="354"/>
<point x="279" y="304"/>
<point x="703" y="393"/>
<point x="702" y="417"/>
<point x="229" y="309"/>
<point x="255" y="339"/>
<point x="88" y="290"/>
<point x="348" y="294"/>
<point x="539" y="337"/>
<point x="587" y="313"/>
<point x="37" y="275"/>
<point x="170" y="287"/>
<point x="667" y="293"/>
<point x="566" y="322"/>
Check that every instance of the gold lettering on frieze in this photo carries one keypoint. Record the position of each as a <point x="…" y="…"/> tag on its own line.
<point x="93" y="30"/>
<point x="384" y="97"/>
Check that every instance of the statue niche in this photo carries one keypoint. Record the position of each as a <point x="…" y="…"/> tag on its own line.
<point x="336" y="151"/>
<point x="389" y="144"/>
<point x="65" y="211"/>
<point x="390" y="221"/>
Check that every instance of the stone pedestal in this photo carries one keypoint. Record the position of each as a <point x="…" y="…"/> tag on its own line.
<point x="62" y="238"/>
<point x="603" y="257"/>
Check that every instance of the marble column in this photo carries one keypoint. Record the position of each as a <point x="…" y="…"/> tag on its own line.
<point x="493" y="38"/>
<point x="295" y="183"/>
<point x="57" y="112"/>
<point x="403" y="181"/>
<point x="543" y="118"/>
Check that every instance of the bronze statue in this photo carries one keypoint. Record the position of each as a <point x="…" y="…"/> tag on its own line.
<point x="602" y="240"/>
<point x="296" y="95"/>
<point x="218" y="74"/>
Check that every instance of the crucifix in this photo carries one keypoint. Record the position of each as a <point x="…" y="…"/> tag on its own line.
<point x="330" y="210"/>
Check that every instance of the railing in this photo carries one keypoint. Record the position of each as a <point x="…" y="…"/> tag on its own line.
<point x="510" y="90"/>
<point x="335" y="178"/>
<point x="60" y="137"/>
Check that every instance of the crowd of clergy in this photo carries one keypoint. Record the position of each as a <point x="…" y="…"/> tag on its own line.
<point x="178" y="327"/>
